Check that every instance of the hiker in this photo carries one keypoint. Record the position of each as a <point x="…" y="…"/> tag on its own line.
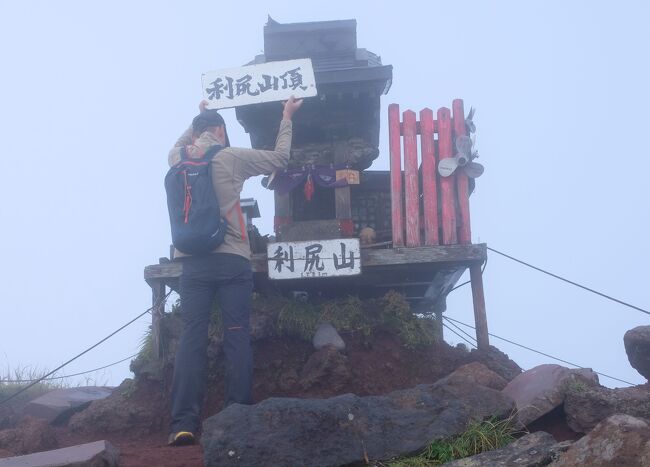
<point x="226" y="272"/>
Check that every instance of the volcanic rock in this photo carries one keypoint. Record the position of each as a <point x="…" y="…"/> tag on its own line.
<point x="60" y="404"/>
<point x="345" y="429"/>
<point x="543" y="388"/>
<point x="496" y="361"/>
<point x="476" y="373"/>
<point x="532" y="450"/>
<point x="637" y="347"/>
<point x="97" y="454"/>
<point x="587" y="405"/>
<point x="326" y="335"/>
<point x="620" y="440"/>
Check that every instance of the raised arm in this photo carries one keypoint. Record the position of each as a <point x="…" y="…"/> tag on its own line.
<point x="252" y="162"/>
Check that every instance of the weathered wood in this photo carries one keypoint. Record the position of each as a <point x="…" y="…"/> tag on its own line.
<point x="342" y="197"/>
<point x="283" y="214"/>
<point x="157" y="311"/>
<point x="462" y="180"/>
<point x="447" y="184"/>
<point x="429" y="185"/>
<point x="480" y="316"/>
<point x="462" y="254"/>
<point x="411" y="186"/>
<point x="395" y="175"/>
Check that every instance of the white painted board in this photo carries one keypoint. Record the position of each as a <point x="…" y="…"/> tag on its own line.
<point x="253" y="84"/>
<point x="314" y="259"/>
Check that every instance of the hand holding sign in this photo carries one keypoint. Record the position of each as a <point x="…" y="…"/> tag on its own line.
<point x="290" y="107"/>
<point x="254" y="84"/>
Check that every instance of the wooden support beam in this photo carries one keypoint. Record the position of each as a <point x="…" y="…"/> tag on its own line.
<point x="478" y="296"/>
<point x="447" y="184"/>
<point x="462" y="180"/>
<point x="411" y="185"/>
<point x="342" y="195"/>
<point x="157" y="310"/>
<point x="395" y="175"/>
<point x="429" y="184"/>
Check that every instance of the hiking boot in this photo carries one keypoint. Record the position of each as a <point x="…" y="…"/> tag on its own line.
<point x="181" y="438"/>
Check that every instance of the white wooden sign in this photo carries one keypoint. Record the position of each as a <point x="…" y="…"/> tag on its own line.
<point x="253" y="84"/>
<point x="317" y="258"/>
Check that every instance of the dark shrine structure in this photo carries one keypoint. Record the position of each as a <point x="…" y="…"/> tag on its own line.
<point x="413" y="223"/>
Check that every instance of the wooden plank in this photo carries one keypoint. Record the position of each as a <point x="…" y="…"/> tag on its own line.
<point x="463" y="254"/>
<point x="429" y="185"/>
<point x="447" y="184"/>
<point x="411" y="188"/>
<point x="478" y="297"/>
<point x="395" y="175"/>
<point x="462" y="180"/>
<point x="157" y="310"/>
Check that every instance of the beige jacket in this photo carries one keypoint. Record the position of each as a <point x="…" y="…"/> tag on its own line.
<point x="230" y="168"/>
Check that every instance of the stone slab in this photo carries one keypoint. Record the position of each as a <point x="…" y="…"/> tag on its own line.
<point x="52" y="404"/>
<point x="96" y="454"/>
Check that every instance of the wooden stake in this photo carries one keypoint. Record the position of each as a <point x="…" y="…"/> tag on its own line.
<point x="462" y="180"/>
<point x="157" y="310"/>
<point x="411" y="185"/>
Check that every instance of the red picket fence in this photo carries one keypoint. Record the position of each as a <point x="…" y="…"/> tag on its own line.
<point x="443" y="216"/>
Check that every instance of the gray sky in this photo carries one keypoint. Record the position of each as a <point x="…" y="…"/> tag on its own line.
<point x="93" y="94"/>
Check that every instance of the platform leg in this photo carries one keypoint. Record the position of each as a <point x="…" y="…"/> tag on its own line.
<point x="480" y="318"/>
<point x="438" y="308"/>
<point x="157" y="310"/>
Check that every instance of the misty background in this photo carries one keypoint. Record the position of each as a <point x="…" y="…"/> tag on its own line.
<point x="93" y="95"/>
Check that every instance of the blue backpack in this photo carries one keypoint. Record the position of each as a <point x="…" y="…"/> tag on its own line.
<point x="196" y="222"/>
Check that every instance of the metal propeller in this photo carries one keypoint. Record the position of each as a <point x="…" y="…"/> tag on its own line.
<point x="464" y="159"/>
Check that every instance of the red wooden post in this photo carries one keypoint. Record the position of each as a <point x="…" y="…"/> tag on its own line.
<point x="411" y="185"/>
<point x="429" y="185"/>
<point x="447" y="184"/>
<point x="395" y="175"/>
<point x="462" y="180"/>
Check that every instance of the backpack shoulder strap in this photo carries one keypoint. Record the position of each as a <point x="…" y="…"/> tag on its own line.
<point x="212" y="150"/>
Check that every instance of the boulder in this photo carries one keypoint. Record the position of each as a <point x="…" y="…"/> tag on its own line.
<point x="326" y="368"/>
<point x="543" y="388"/>
<point x="326" y="335"/>
<point x="97" y="454"/>
<point x="347" y="428"/>
<point x="637" y="347"/>
<point x="60" y="404"/>
<point x="122" y="411"/>
<point x="476" y="373"/>
<point x="31" y="435"/>
<point x="586" y="405"/>
<point x="496" y="361"/>
<point x="620" y="440"/>
<point x="532" y="450"/>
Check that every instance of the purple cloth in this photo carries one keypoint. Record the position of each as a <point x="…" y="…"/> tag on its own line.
<point x="323" y="175"/>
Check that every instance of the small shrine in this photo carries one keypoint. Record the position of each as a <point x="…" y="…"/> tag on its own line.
<point x="341" y="229"/>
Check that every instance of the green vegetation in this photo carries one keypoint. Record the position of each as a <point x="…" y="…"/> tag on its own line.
<point x="9" y="386"/>
<point x="298" y="319"/>
<point x="479" y="437"/>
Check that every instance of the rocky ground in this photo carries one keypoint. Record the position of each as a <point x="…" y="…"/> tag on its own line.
<point x="360" y="398"/>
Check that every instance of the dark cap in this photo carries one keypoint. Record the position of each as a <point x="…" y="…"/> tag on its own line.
<point x="206" y="119"/>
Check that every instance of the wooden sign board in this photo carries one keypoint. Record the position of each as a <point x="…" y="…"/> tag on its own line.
<point x="316" y="258"/>
<point x="254" y="84"/>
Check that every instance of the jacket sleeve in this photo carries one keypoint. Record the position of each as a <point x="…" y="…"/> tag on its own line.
<point x="251" y="162"/>
<point x="175" y="152"/>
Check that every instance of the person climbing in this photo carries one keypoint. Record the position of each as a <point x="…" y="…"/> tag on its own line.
<point x="225" y="272"/>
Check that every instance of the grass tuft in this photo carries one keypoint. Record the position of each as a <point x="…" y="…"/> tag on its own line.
<point x="479" y="437"/>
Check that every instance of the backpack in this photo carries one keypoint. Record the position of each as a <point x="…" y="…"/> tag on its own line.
<point x="196" y="222"/>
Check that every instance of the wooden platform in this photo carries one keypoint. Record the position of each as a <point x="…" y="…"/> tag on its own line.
<point x="422" y="274"/>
